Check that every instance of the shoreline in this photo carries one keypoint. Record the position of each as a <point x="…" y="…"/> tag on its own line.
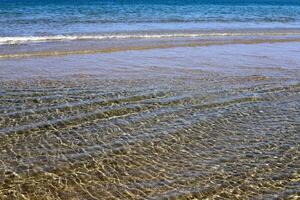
<point x="137" y="48"/>
<point x="149" y="34"/>
<point x="40" y="47"/>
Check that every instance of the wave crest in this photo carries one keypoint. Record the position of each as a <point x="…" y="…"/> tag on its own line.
<point x="56" y="38"/>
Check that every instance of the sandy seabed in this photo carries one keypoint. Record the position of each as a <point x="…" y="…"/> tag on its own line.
<point x="216" y="122"/>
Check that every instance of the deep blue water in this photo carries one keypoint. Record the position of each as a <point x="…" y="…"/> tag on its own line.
<point x="57" y="17"/>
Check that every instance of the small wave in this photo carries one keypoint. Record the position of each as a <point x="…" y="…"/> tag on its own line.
<point x="141" y="47"/>
<point x="55" y="38"/>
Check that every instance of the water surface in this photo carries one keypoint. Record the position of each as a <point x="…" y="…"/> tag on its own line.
<point x="176" y="123"/>
<point x="149" y="99"/>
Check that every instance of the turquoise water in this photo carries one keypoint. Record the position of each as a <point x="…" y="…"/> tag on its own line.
<point x="22" y="18"/>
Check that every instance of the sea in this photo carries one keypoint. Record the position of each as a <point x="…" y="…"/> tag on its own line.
<point x="149" y="99"/>
<point x="33" y="20"/>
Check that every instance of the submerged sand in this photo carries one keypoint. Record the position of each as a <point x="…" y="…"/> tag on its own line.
<point x="216" y="122"/>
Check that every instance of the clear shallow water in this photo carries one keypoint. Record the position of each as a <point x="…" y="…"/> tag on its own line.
<point x="177" y="123"/>
<point x="139" y="100"/>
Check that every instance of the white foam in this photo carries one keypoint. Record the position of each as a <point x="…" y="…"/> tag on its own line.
<point x="32" y="39"/>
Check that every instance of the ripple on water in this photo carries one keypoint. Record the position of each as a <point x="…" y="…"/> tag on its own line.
<point x="189" y="136"/>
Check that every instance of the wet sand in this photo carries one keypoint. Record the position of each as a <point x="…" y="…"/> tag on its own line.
<point x="216" y="122"/>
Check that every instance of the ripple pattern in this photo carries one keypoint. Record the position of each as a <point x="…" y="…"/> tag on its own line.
<point x="187" y="134"/>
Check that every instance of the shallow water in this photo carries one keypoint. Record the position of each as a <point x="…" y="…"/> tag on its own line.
<point x="216" y="122"/>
